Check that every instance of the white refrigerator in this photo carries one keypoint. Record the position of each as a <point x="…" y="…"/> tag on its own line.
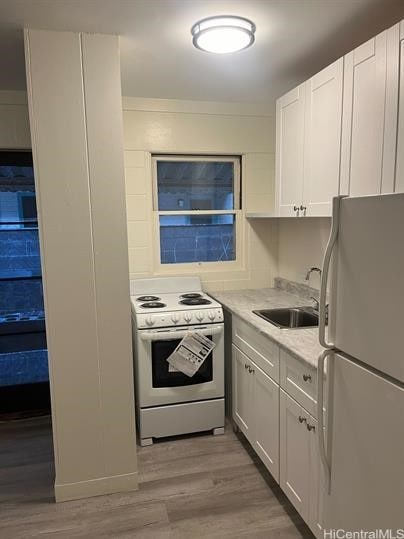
<point x="362" y="449"/>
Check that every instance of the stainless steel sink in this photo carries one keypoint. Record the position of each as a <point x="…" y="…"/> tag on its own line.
<point x="290" y="318"/>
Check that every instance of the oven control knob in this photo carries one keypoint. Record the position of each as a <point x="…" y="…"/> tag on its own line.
<point x="175" y="318"/>
<point x="149" y="321"/>
<point x="187" y="317"/>
<point x="211" y="315"/>
<point x="199" y="316"/>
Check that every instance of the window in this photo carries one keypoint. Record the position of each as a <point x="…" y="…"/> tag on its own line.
<point x="197" y="200"/>
<point x="23" y="354"/>
<point x="19" y="243"/>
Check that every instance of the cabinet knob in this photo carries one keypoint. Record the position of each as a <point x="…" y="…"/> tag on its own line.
<point x="310" y="427"/>
<point x="303" y="208"/>
<point x="295" y="208"/>
<point x="246" y="366"/>
<point x="252" y="371"/>
<point x="307" y="377"/>
<point x="302" y="419"/>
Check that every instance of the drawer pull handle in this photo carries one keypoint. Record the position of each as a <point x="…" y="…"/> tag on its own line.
<point x="302" y="419"/>
<point x="310" y="427"/>
<point x="307" y="377"/>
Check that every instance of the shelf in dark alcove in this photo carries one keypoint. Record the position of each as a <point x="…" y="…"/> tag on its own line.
<point x="20" y="275"/>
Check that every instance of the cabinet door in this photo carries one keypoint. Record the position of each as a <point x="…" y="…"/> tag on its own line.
<point x="289" y="151"/>
<point x="242" y="392"/>
<point x="266" y="420"/>
<point x="316" y="482"/>
<point x="294" y="453"/>
<point x="399" y="186"/>
<point x="322" y="139"/>
<point x="370" y="116"/>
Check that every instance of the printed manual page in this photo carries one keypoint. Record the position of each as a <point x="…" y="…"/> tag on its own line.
<point x="190" y="353"/>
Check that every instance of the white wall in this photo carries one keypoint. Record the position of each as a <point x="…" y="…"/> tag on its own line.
<point x="187" y="127"/>
<point x="77" y="139"/>
<point x="14" y="121"/>
<point x="149" y="125"/>
<point x="302" y="243"/>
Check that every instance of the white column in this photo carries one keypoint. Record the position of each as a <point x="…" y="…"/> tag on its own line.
<point x="74" y="97"/>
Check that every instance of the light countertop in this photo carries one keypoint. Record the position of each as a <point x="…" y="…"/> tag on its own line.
<point x="302" y="343"/>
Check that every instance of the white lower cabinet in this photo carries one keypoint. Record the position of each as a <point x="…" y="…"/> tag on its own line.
<point x="242" y="392"/>
<point x="295" y="453"/>
<point x="300" y="471"/>
<point x="317" y="484"/>
<point x="266" y="420"/>
<point x="275" y="420"/>
<point x="256" y="409"/>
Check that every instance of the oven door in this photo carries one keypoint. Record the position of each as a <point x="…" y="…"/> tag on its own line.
<point x="156" y="385"/>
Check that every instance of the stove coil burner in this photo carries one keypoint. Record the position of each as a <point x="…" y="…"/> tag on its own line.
<point x="153" y="305"/>
<point x="148" y="298"/>
<point x="195" y="301"/>
<point x="192" y="295"/>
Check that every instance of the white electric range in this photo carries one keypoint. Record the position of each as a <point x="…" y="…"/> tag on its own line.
<point x="169" y="403"/>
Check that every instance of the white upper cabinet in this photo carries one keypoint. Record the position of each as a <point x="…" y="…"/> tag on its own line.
<point x="322" y="140"/>
<point x="308" y="145"/>
<point x="399" y="185"/>
<point x="342" y="131"/>
<point x="369" y="131"/>
<point x="289" y="151"/>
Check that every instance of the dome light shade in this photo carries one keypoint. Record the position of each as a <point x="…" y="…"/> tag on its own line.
<point x="223" y="34"/>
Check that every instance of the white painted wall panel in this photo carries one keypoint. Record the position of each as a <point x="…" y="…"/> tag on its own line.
<point x="399" y="183"/>
<point x="302" y="243"/>
<point x="77" y="145"/>
<point x="14" y="121"/>
<point x="61" y="176"/>
<point x="102" y="92"/>
<point x="192" y="132"/>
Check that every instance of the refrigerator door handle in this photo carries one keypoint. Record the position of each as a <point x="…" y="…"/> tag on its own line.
<point x="326" y="266"/>
<point x="320" y="415"/>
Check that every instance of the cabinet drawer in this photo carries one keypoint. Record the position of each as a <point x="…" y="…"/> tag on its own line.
<point x="257" y="347"/>
<point x="299" y="380"/>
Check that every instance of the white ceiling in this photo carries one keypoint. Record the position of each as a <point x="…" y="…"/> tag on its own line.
<point x="294" y="39"/>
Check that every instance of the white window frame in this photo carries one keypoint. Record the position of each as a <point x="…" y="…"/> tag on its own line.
<point x="222" y="265"/>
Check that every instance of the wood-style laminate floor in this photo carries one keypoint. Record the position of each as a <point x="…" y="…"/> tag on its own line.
<point x="190" y="488"/>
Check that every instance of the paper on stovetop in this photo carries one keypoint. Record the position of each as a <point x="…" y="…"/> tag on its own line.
<point x="190" y="353"/>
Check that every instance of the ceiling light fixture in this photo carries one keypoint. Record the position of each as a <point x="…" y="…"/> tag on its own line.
<point x="223" y="34"/>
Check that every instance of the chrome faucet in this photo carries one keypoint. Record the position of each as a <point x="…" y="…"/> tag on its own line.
<point x="311" y="271"/>
<point x="316" y="305"/>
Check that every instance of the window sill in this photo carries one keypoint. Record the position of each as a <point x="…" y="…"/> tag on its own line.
<point x="199" y="267"/>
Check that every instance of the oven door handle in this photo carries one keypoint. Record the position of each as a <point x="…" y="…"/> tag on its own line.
<point x="174" y="335"/>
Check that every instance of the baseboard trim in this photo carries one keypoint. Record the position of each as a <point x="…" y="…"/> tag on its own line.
<point x="96" y="487"/>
